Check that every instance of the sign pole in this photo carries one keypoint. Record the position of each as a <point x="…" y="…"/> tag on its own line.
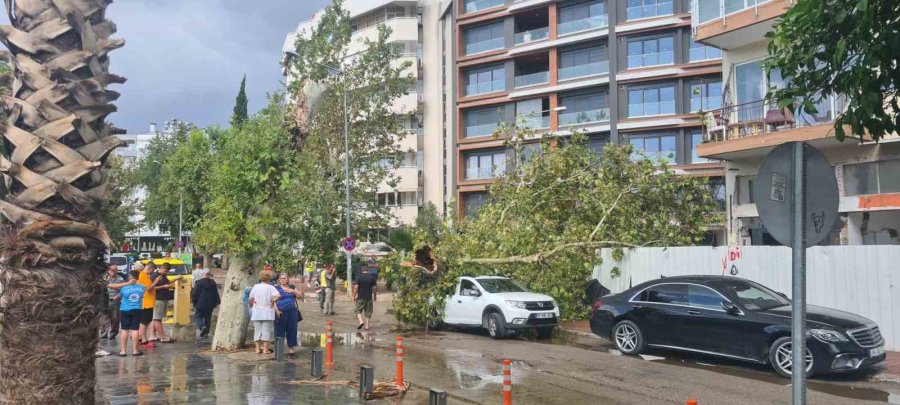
<point x="798" y="279"/>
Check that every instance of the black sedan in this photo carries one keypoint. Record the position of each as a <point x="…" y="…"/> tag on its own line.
<point x="734" y="318"/>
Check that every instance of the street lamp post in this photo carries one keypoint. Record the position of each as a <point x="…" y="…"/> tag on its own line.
<point x="346" y="172"/>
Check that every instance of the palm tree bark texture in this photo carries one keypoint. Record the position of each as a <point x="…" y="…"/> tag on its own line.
<point x="56" y="143"/>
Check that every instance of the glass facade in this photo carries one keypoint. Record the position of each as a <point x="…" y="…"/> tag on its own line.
<point x="583" y="62"/>
<point x="485" y="80"/>
<point x="706" y="96"/>
<point x="655" y="147"/>
<point x="482" y="121"/>
<point x="584" y="108"/>
<point x="651" y="51"/>
<point x="636" y="9"/>
<point x="485" y="165"/>
<point x="656" y="100"/>
<point x="484" y="38"/>
<point x="582" y="17"/>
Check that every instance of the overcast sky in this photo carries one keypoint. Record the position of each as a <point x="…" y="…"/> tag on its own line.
<point x="185" y="58"/>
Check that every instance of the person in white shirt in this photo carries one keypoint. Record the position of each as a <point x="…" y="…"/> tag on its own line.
<point x="262" y="312"/>
<point x="197" y="274"/>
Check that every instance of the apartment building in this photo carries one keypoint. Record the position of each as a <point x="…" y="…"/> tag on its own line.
<point x="746" y="127"/>
<point x="420" y="28"/>
<point x="621" y="71"/>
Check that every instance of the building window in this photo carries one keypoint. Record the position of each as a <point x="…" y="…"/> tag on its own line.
<point x="472" y="202"/>
<point x="391" y="199"/>
<point x="533" y="113"/>
<point x="706" y="96"/>
<point x="484" y="165"/>
<point x="649" y="8"/>
<point x="583" y="62"/>
<point x="696" y="137"/>
<point x="484" y="38"/>
<point x="655" y="147"/>
<point x="653" y="51"/>
<point x="657" y="100"/>
<point x="394" y="12"/>
<point x="472" y="6"/>
<point x="596" y="144"/>
<point x="744" y="190"/>
<point x="582" y="17"/>
<point x="701" y="52"/>
<point x="483" y="121"/>
<point x="872" y="178"/>
<point x="584" y="108"/>
<point x="485" y="80"/>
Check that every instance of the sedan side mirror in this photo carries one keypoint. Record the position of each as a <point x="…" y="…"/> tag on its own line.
<point x="474" y="293"/>
<point x="730" y="308"/>
<point x="783" y="295"/>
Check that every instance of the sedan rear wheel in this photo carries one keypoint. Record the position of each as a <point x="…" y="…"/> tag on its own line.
<point x="781" y="357"/>
<point x="628" y="338"/>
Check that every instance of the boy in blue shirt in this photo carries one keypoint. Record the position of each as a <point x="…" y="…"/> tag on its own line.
<point x="132" y="295"/>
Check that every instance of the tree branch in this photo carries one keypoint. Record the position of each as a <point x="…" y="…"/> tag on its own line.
<point x="540" y="256"/>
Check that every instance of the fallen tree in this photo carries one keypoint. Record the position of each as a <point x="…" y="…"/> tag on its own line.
<point x="546" y="220"/>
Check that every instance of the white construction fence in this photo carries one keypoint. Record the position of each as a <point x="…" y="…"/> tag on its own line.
<point x="864" y="280"/>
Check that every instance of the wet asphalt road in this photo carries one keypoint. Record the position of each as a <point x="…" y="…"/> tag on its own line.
<point x="568" y="369"/>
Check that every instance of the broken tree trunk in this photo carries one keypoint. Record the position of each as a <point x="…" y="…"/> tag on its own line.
<point x="55" y="145"/>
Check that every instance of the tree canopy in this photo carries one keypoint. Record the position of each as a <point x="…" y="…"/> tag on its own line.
<point x="843" y="47"/>
<point x="239" y="115"/>
<point x="548" y="216"/>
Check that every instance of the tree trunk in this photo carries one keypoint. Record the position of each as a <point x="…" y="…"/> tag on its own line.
<point x="55" y="146"/>
<point x="231" y="329"/>
<point x="207" y="260"/>
<point x="225" y="256"/>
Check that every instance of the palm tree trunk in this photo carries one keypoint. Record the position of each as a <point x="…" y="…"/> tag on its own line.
<point x="55" y="148"/>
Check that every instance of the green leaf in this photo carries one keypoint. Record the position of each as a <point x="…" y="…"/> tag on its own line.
<point x="862" y="6"/>
<point x="840" y="52"/>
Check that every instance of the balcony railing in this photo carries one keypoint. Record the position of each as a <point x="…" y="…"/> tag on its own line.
<point x="484" y="46"/>
<point x="764" y="117"/>
<point x="481" y="88"/>
<point x="584" y="24"/>
<point x="708" y="10"/>
<point x="481" y="130"/>
<point x="477" y="5"/>
<point x="532" y="79"/>
<point x="583" y="117"/>
<point x="588" y="69"/>
<point x="650" y="10"/>
<point x="533" y="122"/>
<point x="536" y="34"/>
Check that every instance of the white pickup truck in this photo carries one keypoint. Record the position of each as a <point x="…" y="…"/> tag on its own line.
<point x="500" y="305"/>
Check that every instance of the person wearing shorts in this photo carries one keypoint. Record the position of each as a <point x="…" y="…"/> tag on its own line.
<point x="149" y="300"/>
<point x="364" y="294"/>
<point x="165" y="286"/>
<point x="262" y="312"/>
<point x="132" y="297"/>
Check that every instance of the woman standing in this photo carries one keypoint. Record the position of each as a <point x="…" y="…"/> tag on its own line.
<point x="262" y="311"/>
<point x="287" y="312"/>
<point x="205" y="297"/>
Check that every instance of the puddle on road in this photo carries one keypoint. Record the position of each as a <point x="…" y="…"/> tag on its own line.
<point x="310" y="339"/>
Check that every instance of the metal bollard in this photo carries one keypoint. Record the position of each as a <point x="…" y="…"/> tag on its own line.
<point x="507" y="383"/>
<point x="366" y="380"/>
<point x="279" y="348"/>
<point x="400" y="383"/>
<point x="316" y="363"/>
<point x="437" y="397"/>
<point x="329" y="342"/>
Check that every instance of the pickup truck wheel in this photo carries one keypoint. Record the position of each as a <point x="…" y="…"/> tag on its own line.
<point x="495" y="328"/>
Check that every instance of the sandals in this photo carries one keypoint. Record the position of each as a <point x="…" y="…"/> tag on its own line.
<point x="171" y="340"/>
<point x="123" y="354"/>
<point x="358" y="327"/>
<point x="135" y="354"/>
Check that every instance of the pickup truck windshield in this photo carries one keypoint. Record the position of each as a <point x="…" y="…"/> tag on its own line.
<point x="501" y="285"/>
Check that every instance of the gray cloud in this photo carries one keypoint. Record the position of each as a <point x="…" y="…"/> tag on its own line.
<point x="185" y="58"/>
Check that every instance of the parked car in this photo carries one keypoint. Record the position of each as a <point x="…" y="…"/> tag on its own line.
<point x="120" y="261"/>
<point x="500" y="305"/>
<point x="734" y="318"/>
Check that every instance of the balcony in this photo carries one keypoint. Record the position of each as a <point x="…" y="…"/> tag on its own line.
<point x="536" y="34"/>
<point x="532" y="79"/>
<point x="650" y="10"/>
<point x="730" y="24"/>
<point x="533" y="122"/>
<point x="589" y="69"/>
<point x="584" y="24"/>
<point x="761" y="124"/>
<point x="583" y="117"/>
<point x="472" y="6"/>
<point x="475" y="131"/>
<point x="484" y="46"/>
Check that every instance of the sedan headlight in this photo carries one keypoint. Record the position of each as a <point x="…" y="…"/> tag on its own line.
<point x="516" y="304"/>
<point x="828" y="336"/>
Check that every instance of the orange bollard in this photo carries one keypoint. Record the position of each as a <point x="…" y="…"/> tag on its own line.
<point x="400" y="383"/>
<point x="329" y="339"/>
<point x="691" y="402"/>
<point x="507" y="383"/>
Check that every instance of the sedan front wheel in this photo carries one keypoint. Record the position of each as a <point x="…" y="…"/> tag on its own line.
<point x="628" y="338"/>
<point x="781" y="357"/>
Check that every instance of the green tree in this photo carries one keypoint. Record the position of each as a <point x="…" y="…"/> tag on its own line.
<point x="548" y="216"/>
<point x="844" y="47"/>
<point x="372" y="82"/>
<point x="120" y="206"/>
<point x="157" y="207"/>
<point x="239" y="115"/>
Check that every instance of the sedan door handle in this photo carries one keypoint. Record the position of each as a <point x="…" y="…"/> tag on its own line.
<point x="636" y="306"/>
<point x="692" y="312"/>
<point x="459" y="301"/>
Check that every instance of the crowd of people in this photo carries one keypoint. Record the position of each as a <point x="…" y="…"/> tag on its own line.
<point x="136" y="304"/>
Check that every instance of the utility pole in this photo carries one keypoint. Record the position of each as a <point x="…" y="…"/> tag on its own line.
<point x="180" y="221"/>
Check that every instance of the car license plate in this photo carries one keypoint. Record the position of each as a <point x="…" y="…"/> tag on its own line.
<point x="878" y="351"/>
<point x="544" y="315"/>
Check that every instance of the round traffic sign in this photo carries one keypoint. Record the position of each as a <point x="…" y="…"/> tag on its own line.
<point x="349" y="244"/>
<point x="775" y="194"/>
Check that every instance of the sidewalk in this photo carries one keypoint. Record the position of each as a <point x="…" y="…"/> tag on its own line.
<point x="890" y="366"/>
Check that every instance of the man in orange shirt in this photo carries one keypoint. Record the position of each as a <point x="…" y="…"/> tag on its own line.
<point x="149" y="300"/>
